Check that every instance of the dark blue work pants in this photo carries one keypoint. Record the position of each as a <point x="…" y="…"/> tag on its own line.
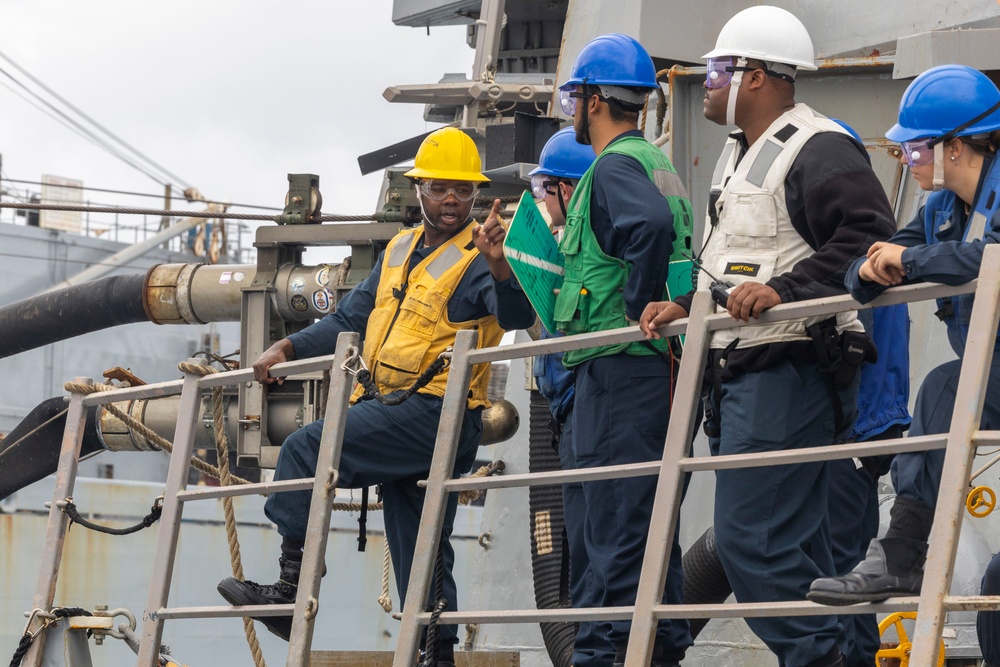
<point x="620" y="416"/>
<point x="391" y="446"/>
<point x="771" y="523"/>
<point x="591" y="647"/>
<point x="917" y="475"/>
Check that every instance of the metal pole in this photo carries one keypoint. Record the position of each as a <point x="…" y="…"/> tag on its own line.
<point x="959" y="453"/>
<point x="489" y="25"/>
<point x="436" y="499"/>
<point x="165" y="220"/>
<point x="666" y="503"/>
<point x="323" y="495"/>
<point x="55" y="532"/>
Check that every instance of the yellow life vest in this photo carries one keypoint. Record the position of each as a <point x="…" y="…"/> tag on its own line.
<point x="409" y="327"/>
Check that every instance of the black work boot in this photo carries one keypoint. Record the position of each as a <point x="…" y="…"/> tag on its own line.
<point x="892" y="566"/>
<point x="245" y="593"/>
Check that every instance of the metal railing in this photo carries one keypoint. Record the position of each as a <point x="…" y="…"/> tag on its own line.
<point x="323" y="487"/>
<point x="960" y="444"/>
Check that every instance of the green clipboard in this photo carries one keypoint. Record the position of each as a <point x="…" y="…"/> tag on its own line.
<point x="534" y="257"/>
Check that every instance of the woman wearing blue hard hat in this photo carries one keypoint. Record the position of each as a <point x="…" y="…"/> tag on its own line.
<point x="949" y="130"/>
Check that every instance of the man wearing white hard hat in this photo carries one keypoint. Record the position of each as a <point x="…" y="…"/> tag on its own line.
<point x="793" y="202"/>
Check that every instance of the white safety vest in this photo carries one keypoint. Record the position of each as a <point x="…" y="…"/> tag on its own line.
<point x="754" y="238"/>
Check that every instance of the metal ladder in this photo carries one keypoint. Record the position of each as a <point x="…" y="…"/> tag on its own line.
<point x="190" y="388"/>
<point x="961" y="443"/>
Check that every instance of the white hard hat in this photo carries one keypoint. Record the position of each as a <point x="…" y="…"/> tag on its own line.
<point x="766" y="33"/>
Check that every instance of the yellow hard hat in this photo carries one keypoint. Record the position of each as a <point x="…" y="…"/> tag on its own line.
<point x="448" y="154"/>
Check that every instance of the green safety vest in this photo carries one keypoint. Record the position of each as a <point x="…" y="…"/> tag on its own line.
<point x="592" y="294"/>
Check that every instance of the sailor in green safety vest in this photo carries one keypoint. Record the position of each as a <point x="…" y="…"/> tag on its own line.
<point x="618" y="242"/>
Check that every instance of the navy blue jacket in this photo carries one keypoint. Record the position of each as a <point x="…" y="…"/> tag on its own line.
<point x="884" y="390"/>
<point x="937" y="252"/>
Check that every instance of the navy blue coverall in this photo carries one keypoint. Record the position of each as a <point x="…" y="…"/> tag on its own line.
<point x="392" y="446"/>
<point x="623" y="402"/>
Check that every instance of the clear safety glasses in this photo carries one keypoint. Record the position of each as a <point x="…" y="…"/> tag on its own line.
<point x="919" y="152"/>
<point x="543" y="185"/>
<point x="567" y="100"/>
<point x="439" y="190"/>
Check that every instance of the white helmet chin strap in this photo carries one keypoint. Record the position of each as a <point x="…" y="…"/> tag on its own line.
<point x="734" y="89"/>
<point x="938" y="166"/>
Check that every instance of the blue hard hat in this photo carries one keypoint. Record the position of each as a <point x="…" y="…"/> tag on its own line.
<point x="613" y="60"/>
<point x="850" y="130"/>
<point x="950" y="100"/>
<point x="563" y="157"/>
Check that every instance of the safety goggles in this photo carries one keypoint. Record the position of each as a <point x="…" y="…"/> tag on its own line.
<point x="543" y="185"/>
<point x="719" y="73"/>
<point x="567" y="100"/>
<point x="439" y="190"/>
<point x="918" y="152"/>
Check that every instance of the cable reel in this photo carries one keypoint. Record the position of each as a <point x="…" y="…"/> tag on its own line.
<point x="902" y="650"/>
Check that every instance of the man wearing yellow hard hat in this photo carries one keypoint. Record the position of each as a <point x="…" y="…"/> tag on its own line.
<point x="432" y="281"/>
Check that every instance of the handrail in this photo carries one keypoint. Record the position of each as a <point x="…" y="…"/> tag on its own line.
<point x="702" y="321"/>
<point x="174" y="387"/>
<point x="721" y="321"/>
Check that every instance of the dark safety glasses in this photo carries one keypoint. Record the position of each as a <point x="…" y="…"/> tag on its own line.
<point x="439" y="190"/>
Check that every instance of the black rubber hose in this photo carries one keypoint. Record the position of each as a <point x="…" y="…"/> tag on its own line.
<point x="30" y="451"/>
<point x="705" y="580"/>
<point x="73" y="311"/>
<point x="550" y="570"/>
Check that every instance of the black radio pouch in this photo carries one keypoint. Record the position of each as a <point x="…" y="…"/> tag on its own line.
<point x="840" y="356"/>
<point x="856" y="348"/>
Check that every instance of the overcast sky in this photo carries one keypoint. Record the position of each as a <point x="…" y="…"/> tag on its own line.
<point x="229" y="95"/>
